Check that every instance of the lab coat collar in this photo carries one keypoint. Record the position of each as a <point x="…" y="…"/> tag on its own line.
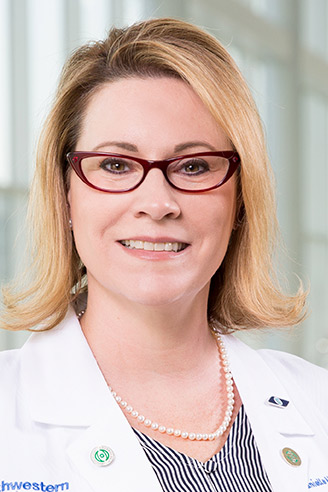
<point x="59" y="371"/>
<point x="274" y="428"/>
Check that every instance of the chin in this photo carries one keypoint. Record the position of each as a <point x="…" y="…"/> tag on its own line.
<point x="164" y="294"/>
<point x="153" y="299"/>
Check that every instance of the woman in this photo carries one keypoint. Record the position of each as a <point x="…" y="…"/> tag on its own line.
<point x="153" y="216"/>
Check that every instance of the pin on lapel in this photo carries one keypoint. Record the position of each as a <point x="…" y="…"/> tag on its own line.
<point x="102" y="455"/>
<point x="277" y="402"/>
<point x="291" y="457"/>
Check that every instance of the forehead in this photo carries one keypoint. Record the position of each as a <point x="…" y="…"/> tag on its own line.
<point x="154" y="111"/>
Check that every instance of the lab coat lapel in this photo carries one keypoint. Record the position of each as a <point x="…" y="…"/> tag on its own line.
<point x="274" y="428"/>
<point x="129" y="470"/>
<point x="64" y="387"/>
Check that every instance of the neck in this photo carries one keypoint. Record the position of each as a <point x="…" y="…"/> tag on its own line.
<point x="159" y="339"/>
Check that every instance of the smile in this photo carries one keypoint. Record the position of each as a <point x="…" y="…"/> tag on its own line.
<point x="149" y="246"/>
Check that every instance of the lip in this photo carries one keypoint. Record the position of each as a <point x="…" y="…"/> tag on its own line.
<point x="157" y="239"/>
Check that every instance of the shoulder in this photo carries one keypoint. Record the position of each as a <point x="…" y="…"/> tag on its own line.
<point x="293" y="366"/>
<point x="9" y="367"/>
<point x="9" y="380"/>
<point x="9" y="363"/>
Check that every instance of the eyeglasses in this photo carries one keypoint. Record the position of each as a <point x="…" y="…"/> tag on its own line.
<point x="118" y="173"/>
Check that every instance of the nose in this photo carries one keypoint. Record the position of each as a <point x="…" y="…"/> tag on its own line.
<point x="156" y="198"/>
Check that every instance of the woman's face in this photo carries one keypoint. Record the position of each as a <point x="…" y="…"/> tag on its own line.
<point x="151" y="118"/>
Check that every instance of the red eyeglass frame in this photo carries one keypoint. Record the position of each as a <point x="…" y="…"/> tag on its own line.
<point x="75" y="158"/>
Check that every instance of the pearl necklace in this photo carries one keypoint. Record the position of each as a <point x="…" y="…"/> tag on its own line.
<point x="178" y="432"/>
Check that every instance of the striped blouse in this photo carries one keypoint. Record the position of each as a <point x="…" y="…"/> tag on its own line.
<point x="236" y="468"/>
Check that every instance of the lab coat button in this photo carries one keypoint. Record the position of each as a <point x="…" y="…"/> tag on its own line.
<point x="102" y="455"/>
<point x="291" y="457"/>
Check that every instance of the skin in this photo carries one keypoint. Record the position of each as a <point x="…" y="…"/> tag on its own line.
<point x="146" y="317"/>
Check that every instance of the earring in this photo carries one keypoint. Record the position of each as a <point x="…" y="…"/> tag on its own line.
<point x="70" y="224"/>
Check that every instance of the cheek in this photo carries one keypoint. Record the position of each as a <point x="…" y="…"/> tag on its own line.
<point x="89" y="209"/>
<point x="216" y="215"/>
<point x="87" y="222"/>
<point x="216" y="222"/>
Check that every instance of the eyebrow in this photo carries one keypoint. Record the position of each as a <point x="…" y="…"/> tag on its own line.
<point x="121" y="145"/>
<point x="133" y="148"/>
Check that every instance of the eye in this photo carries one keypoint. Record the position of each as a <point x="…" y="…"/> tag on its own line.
<point x="115" y="165"/>
<point x="193" y="166"/>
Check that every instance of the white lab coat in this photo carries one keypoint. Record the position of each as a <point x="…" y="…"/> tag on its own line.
<point x="55" y="408"/>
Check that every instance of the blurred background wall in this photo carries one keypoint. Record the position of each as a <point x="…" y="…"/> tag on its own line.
<point x="281" y="47"/>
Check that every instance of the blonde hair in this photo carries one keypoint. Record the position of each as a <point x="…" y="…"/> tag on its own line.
<point x="244" y="291"/>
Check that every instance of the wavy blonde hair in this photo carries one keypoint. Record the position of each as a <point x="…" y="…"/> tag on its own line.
<point x="244" y="291"/>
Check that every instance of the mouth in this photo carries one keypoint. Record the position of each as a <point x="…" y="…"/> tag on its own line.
<point x="152" y="246"/>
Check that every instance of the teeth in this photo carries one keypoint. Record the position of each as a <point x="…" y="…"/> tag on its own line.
<point x="149" y="246"/>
